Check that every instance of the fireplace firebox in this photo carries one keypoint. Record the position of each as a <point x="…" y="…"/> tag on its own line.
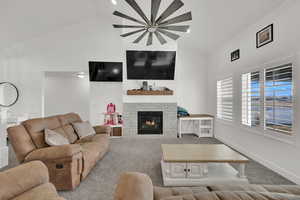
<point x="150" y="123"/>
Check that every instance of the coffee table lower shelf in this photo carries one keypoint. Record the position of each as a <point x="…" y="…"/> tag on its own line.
<point x="196" y="174"/>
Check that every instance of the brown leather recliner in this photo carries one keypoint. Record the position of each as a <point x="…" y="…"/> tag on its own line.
<point x="137" y="186"/>
<point x="29" y="181"/>
<point x="68" y="164"/>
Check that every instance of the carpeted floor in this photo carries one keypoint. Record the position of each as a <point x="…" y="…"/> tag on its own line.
<point x="143" y="155"/>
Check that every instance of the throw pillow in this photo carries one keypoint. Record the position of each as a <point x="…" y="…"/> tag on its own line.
<point x="53" y="138"/>
<point x="83" y="129"/>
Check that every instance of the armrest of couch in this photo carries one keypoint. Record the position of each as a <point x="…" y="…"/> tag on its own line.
<point x="64" y="152"/>
<point x="134" y="186"/>
<point x="102" y="129"/>
<point x="18" y="180"/>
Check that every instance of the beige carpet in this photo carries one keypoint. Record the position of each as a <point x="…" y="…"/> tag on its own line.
<point x="143" y="155"/>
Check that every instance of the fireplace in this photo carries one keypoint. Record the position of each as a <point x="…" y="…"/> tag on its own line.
<point x="150" y="123"/>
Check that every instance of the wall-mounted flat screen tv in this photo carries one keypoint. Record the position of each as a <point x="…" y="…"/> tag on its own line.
<point x="151" y="65"/>
<point x="106" y="71"/>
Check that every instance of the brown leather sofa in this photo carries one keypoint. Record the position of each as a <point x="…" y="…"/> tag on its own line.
<point x="68" y="164"/>
<point x="29" y="181"/>
<point x="136" y="186"/>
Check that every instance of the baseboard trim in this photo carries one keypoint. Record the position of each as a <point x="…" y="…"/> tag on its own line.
<point x="290" y="176"/>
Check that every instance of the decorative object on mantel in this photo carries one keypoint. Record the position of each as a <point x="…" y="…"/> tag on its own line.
<point x="10" y="93"/>
<point x="150" y="92"/>
<point x="160" y="27"/>
<point x="265" y="36"/>
<point x="145" y="85"/>
<point x="235" y="55"/>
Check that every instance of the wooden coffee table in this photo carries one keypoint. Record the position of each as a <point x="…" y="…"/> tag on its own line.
<point x="201" y="164"/>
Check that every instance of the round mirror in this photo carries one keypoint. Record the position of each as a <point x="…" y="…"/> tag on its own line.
<point x="9" y="94"/>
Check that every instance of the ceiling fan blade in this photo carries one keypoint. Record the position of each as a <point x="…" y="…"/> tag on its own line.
<point x="160" y="38"/>
<point x="154" y="9"/>
<point x="173" y="7"/>
<point x="127" y="26"/>
<point x="169" y="34"/>
<point x="119" y="14"/>
<point x="137" y="8"/>
<point x="140" y="37"/>
<point x="181" y="18"/>
<point x="150" y="39"/>
<point x="132" y="33"/>
<point x="176" y="28"/>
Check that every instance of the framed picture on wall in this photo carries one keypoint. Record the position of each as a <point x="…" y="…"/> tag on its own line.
<point x="235" y="55"/>
<point x="265" y="36"/>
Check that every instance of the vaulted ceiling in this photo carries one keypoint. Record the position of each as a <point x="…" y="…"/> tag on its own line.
<point x="214" y="21"/>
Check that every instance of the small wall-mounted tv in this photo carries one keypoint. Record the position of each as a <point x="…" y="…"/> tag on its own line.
<point x="151" y="65"/>
<point x="106" y="71"/>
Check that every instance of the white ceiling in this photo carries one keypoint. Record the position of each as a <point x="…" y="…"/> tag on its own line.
<point x="214" y="21"/>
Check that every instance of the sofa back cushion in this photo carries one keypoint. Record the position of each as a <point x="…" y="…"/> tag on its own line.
<point x="36" y="129"/>
<point x="66" y="122"/>
<point x="21" y="141"/>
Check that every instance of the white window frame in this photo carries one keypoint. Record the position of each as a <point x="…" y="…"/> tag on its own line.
<point x="278" y="131"/>
<point x="225" y="111"/>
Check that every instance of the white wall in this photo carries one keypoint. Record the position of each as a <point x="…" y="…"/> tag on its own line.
<point x="64" y="93"/>
<point x="280" y="155"/>
<point x="191" y="79"/>
<point x="103" y="93"/>
<point x="70" y="49"/>
<point x="190" y="83"/>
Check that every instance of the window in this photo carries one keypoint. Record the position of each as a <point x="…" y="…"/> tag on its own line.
<point x="278" y="104"/>
<point x="224" y="99"/>
<point x="251" y="99"/>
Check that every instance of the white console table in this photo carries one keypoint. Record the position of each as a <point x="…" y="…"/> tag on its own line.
<point x="3" y="146"/>
<point x="202" y="125"/>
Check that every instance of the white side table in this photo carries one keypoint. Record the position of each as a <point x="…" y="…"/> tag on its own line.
<point x="201" y="124"/>
<point x="3" y="146"/>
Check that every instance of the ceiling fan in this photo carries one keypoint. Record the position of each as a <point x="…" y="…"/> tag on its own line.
<point x="160" y="26"/>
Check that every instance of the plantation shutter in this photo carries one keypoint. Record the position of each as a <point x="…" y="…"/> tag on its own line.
<point x="279" y="98"/>
<point x="251" y="99"/>
<point x="225" y="99"/>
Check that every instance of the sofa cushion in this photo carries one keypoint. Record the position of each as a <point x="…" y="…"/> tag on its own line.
<point x="93" y="149"/>
<point x="254" y="196"/>
<point x="70" y="133"/>
<point x="53" y="138"/>
<point x="94" y="138"/>
<point x="21" y="141"/>
<point x="66" y="122"/>
<point x="69" y="118"/>
<point x="12" y="185"/>
<point x="46" y="192"/>
<point x="234" y="187"/>
<point x="36" y="127"/>
<point x="289" y="189"/>
<point x="199" y="196"/>
<point x="83" y="129"/>
<point x="233" y="196"/>
<point x="163" y="192"/>
<point x="90" y="154"/>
